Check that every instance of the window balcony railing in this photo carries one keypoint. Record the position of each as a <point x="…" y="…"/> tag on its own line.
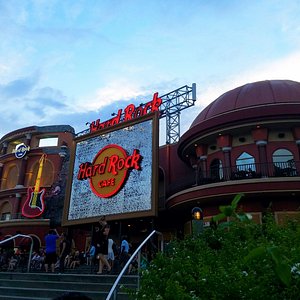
<point x="243" y="171"/>
<point x="248" y="171"/>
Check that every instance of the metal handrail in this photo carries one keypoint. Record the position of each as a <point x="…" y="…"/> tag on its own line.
<point x="132" y="257"/>
<point x="31" y="246"/>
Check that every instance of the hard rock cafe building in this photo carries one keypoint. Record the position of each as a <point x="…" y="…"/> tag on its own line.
<point x="21" y="167"/>
<point x="246" y="141"/>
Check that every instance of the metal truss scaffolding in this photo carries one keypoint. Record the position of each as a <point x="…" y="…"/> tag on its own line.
<point x="172" y="104"/>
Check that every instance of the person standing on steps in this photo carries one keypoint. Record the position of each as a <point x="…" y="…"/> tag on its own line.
<point x="51" y="257"/>
<point x="100" y="240"/>
<point x="124" y="252"/>
<point x="111" y="254"/>
<point x="103" y="251"/>
<point x="65" y="249"/>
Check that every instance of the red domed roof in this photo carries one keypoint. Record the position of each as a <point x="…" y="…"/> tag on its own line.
<point x="257" y="94"/>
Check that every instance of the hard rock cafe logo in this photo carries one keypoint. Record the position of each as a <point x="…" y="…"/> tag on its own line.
<point x="109" y="170"/>
<point x="21" y="150"/>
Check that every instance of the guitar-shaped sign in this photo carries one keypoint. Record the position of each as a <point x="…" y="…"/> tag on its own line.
<point x="34" y="205"/>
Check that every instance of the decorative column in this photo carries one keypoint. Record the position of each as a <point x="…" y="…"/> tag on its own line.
<point x="203" y="165"/>
<point x="1" y="172"/>
<point x="298" y="161"/>
<point x="23" y="164"/>
<point x="22" y="172"/>
<point x="16" y="206"/>
<point x="194" y="165"/>
<point x="227" y="162"/>
<point x="224" y="142"/>
<point x="262" y="154"/>
<point x="201" y="152"/>
<point x="262" y="151"/>
<point x="296" y="134"/>
<point x="260" y="136"/>
<point x="28" y="139"/>
<point x="63" y="153"/>
<point x="4" y="149"/>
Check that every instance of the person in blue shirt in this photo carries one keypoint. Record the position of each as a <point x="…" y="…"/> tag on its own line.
<point x="124" y="252"/>
<point x="51" y="257"/>
<point x="91" y="255"/>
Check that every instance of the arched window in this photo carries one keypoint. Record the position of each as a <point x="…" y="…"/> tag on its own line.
<point x="11" y="178"/>
<point x="47" y="174"/>
<point x="216" y="170"/>
<point x="5" y="211"/>
<point x="245" y="162"/>
<point x="282" y="155"/>
<point x="284" y="163"/>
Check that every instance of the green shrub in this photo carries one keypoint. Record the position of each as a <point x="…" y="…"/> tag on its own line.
<point x="244" y="260"/>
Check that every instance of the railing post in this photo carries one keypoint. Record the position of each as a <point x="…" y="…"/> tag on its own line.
<point x="112" y="291"/>
<point x="139" y="267"/>
<point x="30" y="254"/>
<point x="31" y="247"/>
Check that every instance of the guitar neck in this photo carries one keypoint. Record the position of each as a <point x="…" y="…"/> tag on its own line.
<point x="39" y="174"/>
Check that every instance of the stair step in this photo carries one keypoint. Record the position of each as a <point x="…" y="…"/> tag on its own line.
<point x="68" y="277"/>
<point x="85" y="286"/>
<point x="46" y="293"/>
<point x="22" y="298"/>
<point x="46" y="286"/>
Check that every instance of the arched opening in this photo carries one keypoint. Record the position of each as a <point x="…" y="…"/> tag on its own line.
<point x="284" y="163"/>
<point x="216" y="170"/>
<point x="47" y="176"/>
<point x="11" y="179"/>
<point x="245" y="167"/>
<point x="5" y="211"/>
<point x="245" y="162"/>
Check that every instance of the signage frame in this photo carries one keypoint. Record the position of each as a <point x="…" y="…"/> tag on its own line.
<point x="154" y="117"/>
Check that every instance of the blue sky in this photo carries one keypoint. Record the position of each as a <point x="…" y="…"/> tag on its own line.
<point x="69" y="62"/>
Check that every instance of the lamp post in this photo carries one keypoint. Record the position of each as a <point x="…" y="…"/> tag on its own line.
<point x="197" y="221"/>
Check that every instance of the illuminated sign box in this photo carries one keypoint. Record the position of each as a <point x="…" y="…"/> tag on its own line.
<point x="114" y="173"/>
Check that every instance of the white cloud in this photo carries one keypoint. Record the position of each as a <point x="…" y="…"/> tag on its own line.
<point x="115" y="91"/>
<point x="286" y="68"/>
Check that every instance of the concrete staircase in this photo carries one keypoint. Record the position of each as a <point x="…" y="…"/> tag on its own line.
<point x="46" y="286"/>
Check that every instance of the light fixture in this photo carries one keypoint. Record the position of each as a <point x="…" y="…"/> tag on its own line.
<point x="63" y="151"/>
<point x="197" y="213"/>
<point x="197" y="221"/>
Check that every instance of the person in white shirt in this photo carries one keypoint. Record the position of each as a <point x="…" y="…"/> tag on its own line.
<point x="111" y="254"/>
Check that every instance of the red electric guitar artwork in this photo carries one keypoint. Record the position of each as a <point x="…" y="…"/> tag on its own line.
<point x="34" y="205"/>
